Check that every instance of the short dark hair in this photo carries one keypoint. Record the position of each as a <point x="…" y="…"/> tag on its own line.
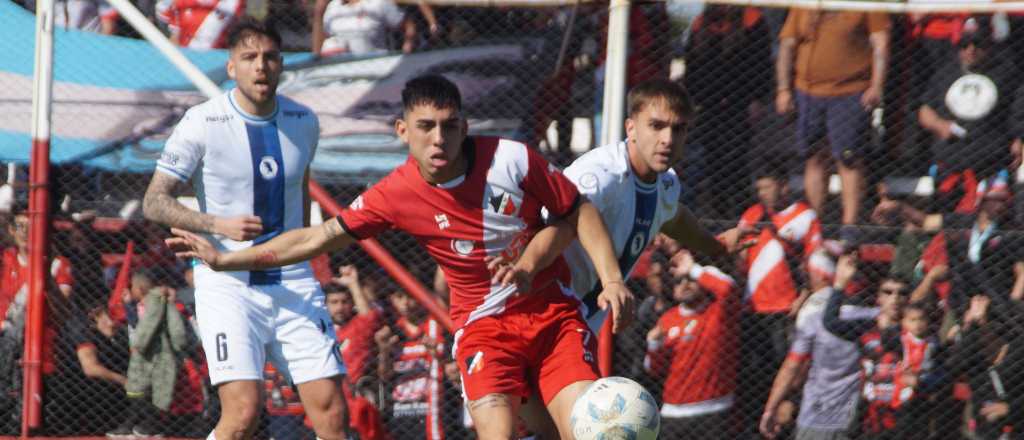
<point x="775" y="169"/>
<point x="332" y="288"/>
<point x="918" y="306"/>
<point x="248" y="26"/>
<point x="896" y="277"/>
<point x="673" y="94"/>
<point x="434" y="90"/>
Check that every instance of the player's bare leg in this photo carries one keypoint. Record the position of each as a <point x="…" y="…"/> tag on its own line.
<point x="241" y="402"/>
<point x="325" y="407"/>
<point x="494" y="416"/>
<point x="561" y="406"/>
<point x="537" y="419"/>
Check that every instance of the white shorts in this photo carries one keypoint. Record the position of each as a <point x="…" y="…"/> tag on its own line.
<point x="243" y="326"/>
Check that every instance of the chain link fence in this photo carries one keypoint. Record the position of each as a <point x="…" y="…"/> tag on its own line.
<point x="894" y="135"/>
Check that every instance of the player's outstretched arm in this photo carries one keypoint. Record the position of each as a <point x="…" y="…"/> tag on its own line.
<point x="593" y="234"/>
<point x="288" y="248"/>
<point x="161" y="206"/>
<point x="686" y="229"/>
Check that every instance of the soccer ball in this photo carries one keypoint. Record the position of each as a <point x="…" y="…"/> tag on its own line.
<point x="615" y="408"/>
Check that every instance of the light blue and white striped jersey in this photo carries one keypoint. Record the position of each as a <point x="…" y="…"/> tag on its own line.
<point x="241" y="164"/>
<point x="633" y="211"/>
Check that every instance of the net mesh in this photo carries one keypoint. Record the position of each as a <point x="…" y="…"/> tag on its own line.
<point x="892" y="134"/>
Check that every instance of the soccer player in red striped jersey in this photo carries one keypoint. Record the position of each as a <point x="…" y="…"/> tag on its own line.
<point x="468" y="200"/>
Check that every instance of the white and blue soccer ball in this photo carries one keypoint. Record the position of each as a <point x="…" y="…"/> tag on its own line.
<point x="615" y="408"/>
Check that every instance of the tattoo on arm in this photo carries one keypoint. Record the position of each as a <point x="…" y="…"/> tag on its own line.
<point x="160" y="205"/>
<point x="266" y="259"/>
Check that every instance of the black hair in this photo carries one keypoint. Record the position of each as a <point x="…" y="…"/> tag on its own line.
<point x="673" y="94"/>
<point x="434" y="90"/>
<point x="248" y="26"/>
<point x="772" y="168"/>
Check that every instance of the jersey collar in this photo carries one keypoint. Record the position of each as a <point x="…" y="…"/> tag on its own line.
<point x="248" y="117"/>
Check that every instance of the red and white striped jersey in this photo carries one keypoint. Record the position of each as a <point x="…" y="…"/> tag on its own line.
<point x="200" y="24"/>
<point x="495" y="208"/>
<point x="418" y="381"/>
<point x="794" y="232"/>
<point x="699" y="352"/>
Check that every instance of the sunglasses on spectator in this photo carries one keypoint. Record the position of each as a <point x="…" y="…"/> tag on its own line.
<point x="900" y="292"/>
<point x="980" y="44"/>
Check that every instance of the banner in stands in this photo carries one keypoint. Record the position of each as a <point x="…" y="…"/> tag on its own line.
<point x="356" y="99"/>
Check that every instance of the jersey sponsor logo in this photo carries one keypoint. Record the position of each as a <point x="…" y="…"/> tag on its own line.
<point x="442" y="221"/>
<point x="462" y="247"/>
<point x="357" y="203"/>
<point x="219" y="118"/>
<point x="268" y="167"/>
<point x="475" y="363"/>
<point x="170" y="158"/>
<point x="295" y="113"/>
<point x="637" y="243"/>
<point x="504" y="204"/>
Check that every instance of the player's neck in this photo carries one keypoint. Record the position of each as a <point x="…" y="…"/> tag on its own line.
<point x="246" y="105"/>
<point x="639" y="167"/>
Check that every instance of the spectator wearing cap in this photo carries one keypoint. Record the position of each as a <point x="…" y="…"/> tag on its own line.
<point x="981" y="247"/>
<point x="974" y="110"/>
<point x="694" y="346"/>
<point x="831" y="66"/>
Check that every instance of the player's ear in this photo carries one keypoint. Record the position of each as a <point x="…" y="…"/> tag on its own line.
<point x="630" y="128"/>
<point x="402" y="129"/>
<point x="231" y="67"/>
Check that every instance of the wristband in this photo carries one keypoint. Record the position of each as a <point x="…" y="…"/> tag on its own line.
<point x="958" y="131"/>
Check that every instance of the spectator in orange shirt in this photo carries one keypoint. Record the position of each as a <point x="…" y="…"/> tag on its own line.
<point x="836" y="62"/>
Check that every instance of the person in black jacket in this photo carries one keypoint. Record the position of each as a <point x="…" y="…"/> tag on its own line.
<point x="989" y="353"/>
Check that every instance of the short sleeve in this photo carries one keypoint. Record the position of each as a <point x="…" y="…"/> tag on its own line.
<point x="591" y="182"/>
<point x="183" y="150"/>
<point x="546" y="183"/>
<point x="803" y="340"/>
<point x="877" y="22"/>
<point x="62" y="272"/>
<point x="369" y="214"/>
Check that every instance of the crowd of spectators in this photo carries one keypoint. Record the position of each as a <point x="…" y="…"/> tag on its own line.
<point x="891" y="316"/>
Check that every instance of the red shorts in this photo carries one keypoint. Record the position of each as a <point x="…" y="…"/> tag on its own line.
<point x="525" y="351"/>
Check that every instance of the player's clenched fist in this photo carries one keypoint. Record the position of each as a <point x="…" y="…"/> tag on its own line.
<point x="240" y="228"/>
<point x="620" y="299"/>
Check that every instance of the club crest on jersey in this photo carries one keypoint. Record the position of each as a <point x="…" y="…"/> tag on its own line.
<point x="504" y="204"/>
<point x="462" y="247"/>
<point x="268" y="167"/>
<point x="666" y="181"/>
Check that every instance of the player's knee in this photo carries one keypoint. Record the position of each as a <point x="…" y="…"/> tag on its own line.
<point x="241" y="414"/>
